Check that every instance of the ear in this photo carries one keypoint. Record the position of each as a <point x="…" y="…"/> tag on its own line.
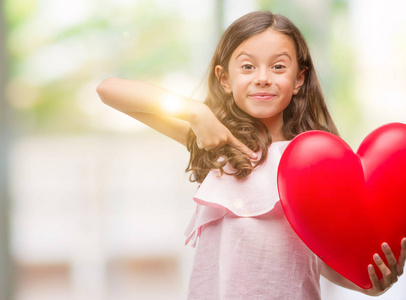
<point x="222" y="77"/>
<point x="299" y="81"/>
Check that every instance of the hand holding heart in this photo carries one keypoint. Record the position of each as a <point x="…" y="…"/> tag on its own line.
<point x="389" y="273"/>
<point x="345" y="205"/>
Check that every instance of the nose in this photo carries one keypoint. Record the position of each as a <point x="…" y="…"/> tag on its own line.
<point x="263" y="77"/>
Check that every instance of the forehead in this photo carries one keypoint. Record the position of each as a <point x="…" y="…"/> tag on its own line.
<point x="266" y="43"/>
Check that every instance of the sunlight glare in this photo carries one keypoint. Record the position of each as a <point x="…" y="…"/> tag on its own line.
<point x="171" y="103"/>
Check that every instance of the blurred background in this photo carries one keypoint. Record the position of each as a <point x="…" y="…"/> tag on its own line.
<point x="93" y="204"/>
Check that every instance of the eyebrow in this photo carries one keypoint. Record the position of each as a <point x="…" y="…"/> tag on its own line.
<point x="284" y="53"/>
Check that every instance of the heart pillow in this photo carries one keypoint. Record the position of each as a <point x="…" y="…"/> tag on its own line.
<point x="342" y="204"/>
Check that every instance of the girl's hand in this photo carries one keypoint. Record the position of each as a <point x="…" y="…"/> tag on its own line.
<point x="168" y="113"/>
<point x="211" y="133"/>
<point x="390" y="273"/>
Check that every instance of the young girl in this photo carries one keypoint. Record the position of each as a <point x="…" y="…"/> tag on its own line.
<point x="263" y="91"/>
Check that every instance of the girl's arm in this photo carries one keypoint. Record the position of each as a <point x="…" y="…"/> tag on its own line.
<point x="390" y="273"/>
<point x="170" y="114"/>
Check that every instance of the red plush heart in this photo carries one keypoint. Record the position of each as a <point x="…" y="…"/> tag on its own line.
<point x="342" y="204"/>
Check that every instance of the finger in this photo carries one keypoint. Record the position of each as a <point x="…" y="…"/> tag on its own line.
<point x="233" y="141"/>
<point x="376" y="285"/>
<point x="402" y="257"/>
<point x="209" y="148"/>
<point x="199" y="144"/>
<point x="392" y="263"/>
<point x="387" y="274"/>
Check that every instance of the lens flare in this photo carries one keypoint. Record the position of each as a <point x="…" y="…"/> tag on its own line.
<point x="172" y="104"/>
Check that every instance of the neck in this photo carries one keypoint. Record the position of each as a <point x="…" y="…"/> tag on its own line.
<point x="275" y="125"/>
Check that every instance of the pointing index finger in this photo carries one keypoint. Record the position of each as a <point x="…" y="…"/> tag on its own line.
<point x="233" y="141"/>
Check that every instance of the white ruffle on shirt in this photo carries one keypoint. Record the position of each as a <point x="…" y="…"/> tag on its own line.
<point x="253" y="196"/>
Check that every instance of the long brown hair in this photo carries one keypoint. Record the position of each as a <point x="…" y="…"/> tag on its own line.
<point x="307" y="110"/>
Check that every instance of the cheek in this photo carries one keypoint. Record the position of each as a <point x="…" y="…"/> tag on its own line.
<point x="238" y="87"/>
<point x="237" y="81"/>
<point x="288" y="84"/>
<point x="237" y="100"/>
<point x="240" y="102"/>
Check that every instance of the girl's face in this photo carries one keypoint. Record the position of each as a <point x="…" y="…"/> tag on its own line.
<point x="262" y="76"/>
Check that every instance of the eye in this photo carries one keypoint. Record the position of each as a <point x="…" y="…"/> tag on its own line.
<point x="278" y="67"/>
<point x="248" y="67"/>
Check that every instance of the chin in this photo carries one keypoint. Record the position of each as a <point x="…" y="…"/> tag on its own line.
<point x="261" y="112"/>
<point x="262" y="115"/>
